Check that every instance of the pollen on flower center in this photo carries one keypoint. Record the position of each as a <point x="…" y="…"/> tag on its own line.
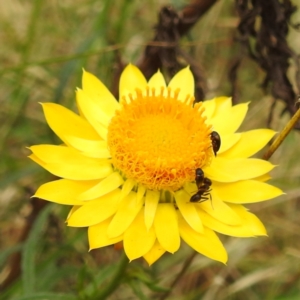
<point x="158" y="140"/>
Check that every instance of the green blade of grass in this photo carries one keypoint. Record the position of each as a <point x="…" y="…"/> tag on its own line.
<point x="48" y="296"/>
<point x="30" y="250"/>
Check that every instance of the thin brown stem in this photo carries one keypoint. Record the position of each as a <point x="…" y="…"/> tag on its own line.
<point x="282" y="135"/>
<point x="183" y="270"/>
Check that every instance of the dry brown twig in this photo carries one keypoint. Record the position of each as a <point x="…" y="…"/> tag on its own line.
<point x="263" y="31"/>
<point x="171" y="26"/>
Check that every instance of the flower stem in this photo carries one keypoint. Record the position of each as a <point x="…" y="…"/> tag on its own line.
<point x="184" y="268"/>
<point x="116" y="279"/>
<point x="282" y="135"/>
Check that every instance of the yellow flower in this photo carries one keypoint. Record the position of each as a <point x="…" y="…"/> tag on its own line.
<point x="128" y="168"/>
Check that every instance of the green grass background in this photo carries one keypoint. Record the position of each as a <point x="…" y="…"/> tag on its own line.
<point x="44" y="46"/>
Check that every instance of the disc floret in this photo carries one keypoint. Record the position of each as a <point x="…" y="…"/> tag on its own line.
<point x="159" y="141"/>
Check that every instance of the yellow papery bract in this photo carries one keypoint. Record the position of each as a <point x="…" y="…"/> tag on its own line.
<point x="188" y="210"/>
<point x="219" y="210"/>
<point x="59" y="119"/>
<point x="138" y="240"/>
<point x="92" y="113"/>
<point x="91" y="109"/>
<point x="36" y="159"/>
<point x="67" y="163"/>
<point x="71" y="212"/>
<point x="255" y="224"/>
<point x="246" y="191"/>
<point x="250" y="143"/>
<point x="183" y="80"/>
<point x="241" y="230"/>
<point x="230" y="170"/>
<point x="157" y="81"/>
<point x="75" y="172"/>
<point x="222" y="105"/>
<point x="89" y="148"/>
<point x="206" y="243"/>
<point x="228" y="141"/>
<point x="155" y="253"/>
<point x="64" y="191"/>
<point x="209" y="106"/>
<point x="140" y="193"/>
<point x="231" y="119"/>
<point x="108" y="184"/>
<point x="131" y="78"/>
<point x="95" y="211"/>
<point x="166" y="227"/>
<point x="151" y="202"/>
<point x="252" y="221"/>
<point x="127" y="187"/>
<point x="263" y="178"/>
<point x="97" y="235"/>
<point x="55" y="154"/>
<point x="126" y="213"/>
<point x="190" y="188"/>
<point x="99" y="93"/>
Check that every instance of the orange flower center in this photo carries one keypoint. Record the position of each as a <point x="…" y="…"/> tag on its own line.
<point x="158" y="140"/>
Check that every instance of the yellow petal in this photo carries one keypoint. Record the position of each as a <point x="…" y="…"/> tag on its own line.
<point x="206" y="243"/>
<point x="67" y="163"/>
<point x="166" y="227"/>
<point x="92" y="113"/>
<point x="252" y="221"/>
<point x="91" y="109"/>
<point x="222" y="106"/>
<point x="125" y="215"/>
<point x="108" y="184"/>
<point x="95" y="211"/>
<point x="127" y="187"/>
<point x="190" y="188"/>
<point x="246" y="191"/>
<point x="230" y="120"/>
<point x="99" y="94"/>
<point x="250" y="143"/>
<point x="137" y="239"/>
<point x="263" y="178"/>
<point x="219" y="210"/>
<point x="183" y="80"/>
<point x="228" y="141"/>
<point x="90" y="148"/>
<point x="154" y="254"/>
<point x="131" y="79"/>
<point x="72" y="210"/>
<point x="241" y="230"/>
<point x="36" y="159"/>
<point x="230" y="170"/>
<point x="64" y="122"/>
<point x="64" y="191"/>
<point x="97" y="235"/>
<point x="151" y="202"/>
<point x="209" y="106"/>
<point x="157" y="81"/>
<point x="188" y="210"/>
<point x="140" y="193"/>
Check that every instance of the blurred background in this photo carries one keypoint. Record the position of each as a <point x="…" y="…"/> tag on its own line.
<point x="232" y="50"/>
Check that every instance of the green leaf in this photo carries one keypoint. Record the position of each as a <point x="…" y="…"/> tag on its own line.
<point x="98" y="279"/>
<point x="4" y="254"/>
<point x="48" y="296"/>
<point x="30" y="250"/>
<point x="156" y="288"/>
<point x="137" y="289"/>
